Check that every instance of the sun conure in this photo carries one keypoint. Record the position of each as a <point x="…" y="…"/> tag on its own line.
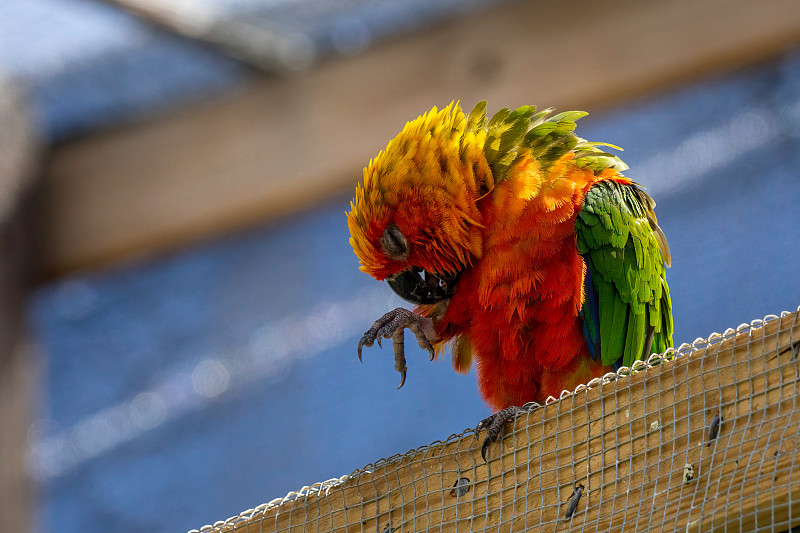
<point x="523" y="246"/>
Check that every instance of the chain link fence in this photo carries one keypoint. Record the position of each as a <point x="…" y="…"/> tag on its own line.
<point x="701" y="438"/>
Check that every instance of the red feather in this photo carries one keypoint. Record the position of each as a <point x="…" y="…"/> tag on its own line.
<point x="519" y="304"/>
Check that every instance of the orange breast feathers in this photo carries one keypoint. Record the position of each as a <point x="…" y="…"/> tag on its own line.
<point x="518" y="306"/>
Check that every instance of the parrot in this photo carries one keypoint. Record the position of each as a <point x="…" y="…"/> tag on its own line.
<point x="523" y="247"/>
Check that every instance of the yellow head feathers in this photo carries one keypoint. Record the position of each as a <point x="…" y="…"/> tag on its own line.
<point x="426" y="184"/>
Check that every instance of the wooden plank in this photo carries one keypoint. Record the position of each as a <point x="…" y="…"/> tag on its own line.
<point x="285" y="143"/>
<point x="17" y="155"/>
<point x="626" y="442"/>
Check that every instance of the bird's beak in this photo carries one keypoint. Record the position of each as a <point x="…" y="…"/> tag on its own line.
<point x="421" y="287"/>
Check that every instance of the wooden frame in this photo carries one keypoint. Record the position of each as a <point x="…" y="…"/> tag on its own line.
<point x="284" y="143"/>
<point x="18" y="154"/>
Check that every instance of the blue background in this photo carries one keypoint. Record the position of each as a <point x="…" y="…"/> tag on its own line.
<point x="182" y="390"/>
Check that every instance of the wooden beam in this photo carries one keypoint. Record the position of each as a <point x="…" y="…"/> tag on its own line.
<point x="285" y="143"/>
<point x="640" y="447"/>
<point x="17" y="155"/>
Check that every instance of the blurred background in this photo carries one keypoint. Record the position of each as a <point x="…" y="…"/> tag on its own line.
<point x="179" y="305"/>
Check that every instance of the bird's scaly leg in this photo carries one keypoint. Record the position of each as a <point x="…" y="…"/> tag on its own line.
<point x="493" y="424"/>
<point x="392" y="325"/>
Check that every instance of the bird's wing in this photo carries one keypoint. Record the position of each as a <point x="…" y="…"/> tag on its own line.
<point x="627" y="312"/>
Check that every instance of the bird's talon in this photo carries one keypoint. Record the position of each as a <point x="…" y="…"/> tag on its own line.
<point x="360" y="346"/>
<point x="494" y="426"/>
<point x="485" y="447"/>
<point x="392" y="326"/>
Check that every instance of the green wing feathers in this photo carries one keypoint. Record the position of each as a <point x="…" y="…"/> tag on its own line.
<point x="629" y="314"/>
<point x="544" y="135"/>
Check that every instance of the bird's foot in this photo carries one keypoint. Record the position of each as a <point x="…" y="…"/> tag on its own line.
<point x="391" y="326"/>
<point x="494" y="425"/>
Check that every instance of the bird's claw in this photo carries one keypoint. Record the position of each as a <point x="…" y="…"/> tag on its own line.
<point x="391" y="326"/>
<point x="361" y="343"/>
<point x="493" y="425"/>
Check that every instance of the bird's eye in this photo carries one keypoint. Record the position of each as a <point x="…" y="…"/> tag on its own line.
<point x="394" y="243"/>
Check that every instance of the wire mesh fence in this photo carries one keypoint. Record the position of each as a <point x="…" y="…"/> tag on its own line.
<point x="700" y="438"/>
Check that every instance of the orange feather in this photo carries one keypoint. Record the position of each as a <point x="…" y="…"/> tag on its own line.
<point x="515" y="309"/>
<point x="519" y="304"/>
